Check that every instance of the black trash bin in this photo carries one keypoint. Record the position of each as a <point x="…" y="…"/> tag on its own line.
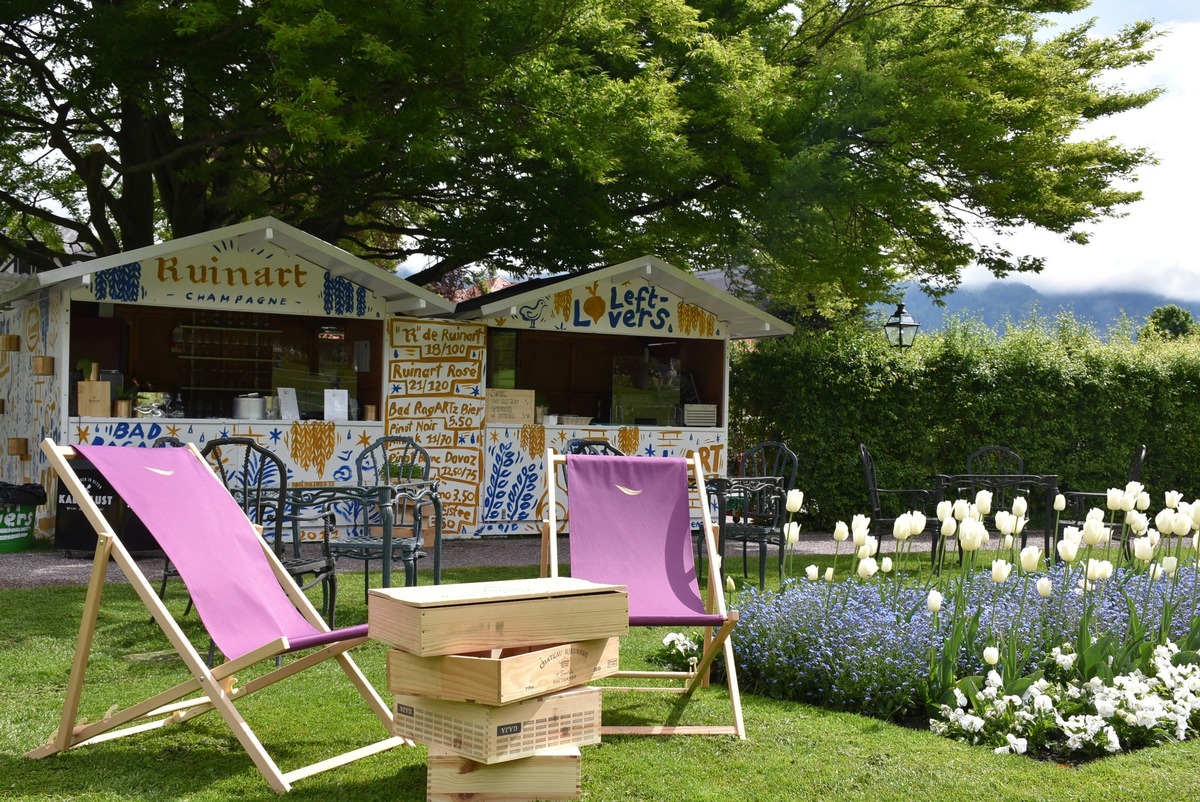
<point x="73" y="531"/>
<point x="18" y="514"/>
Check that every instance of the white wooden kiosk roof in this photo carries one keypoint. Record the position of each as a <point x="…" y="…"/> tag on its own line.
<point x="398" y="295"/>
<point x="740" y="320"/>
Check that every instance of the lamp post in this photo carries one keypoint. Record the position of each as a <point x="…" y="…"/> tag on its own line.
<point x="900" y="328"/>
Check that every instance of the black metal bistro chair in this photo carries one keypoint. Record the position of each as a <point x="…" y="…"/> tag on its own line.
<point x="888" y="504"/>
<point x="756" y="498"/>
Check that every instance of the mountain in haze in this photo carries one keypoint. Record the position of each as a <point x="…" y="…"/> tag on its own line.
<point x="998" y="301"/>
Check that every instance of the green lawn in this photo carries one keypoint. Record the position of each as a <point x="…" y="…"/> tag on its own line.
<point x="793" y="751"/>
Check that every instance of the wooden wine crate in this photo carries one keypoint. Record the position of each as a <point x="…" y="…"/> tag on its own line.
<point x="459" y="619"/>
<point x="551" y="774"/>
<point x="497" y="733"/>
<point x="503" y="676"/>
<point x="95" y="399"/>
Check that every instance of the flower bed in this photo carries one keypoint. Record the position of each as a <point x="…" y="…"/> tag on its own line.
<point x="1093" y="655"/>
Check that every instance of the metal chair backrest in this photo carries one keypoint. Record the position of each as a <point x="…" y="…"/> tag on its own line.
<point x="392" y="459"/>
<point x="1135" y="463"/>
<point x="602" y="447"/>
<point x="993" y="460"/>
<point x="256" y="477"/>
<point x="872" y="479"/>
<point x="769" y="458"/>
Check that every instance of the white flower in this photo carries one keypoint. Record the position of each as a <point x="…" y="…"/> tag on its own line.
<point x="918" y="523"/>
<point x="1068" y="550"/>
<point x="1172" y="498"/>
<point x="1016" y="746"/>
<point x="1170" y="564"/>
<point x="1008" y="542"/>
<point x="1060" y="502"/>
<point x="1020" y="506"/>
<point x="1005" y="522"/>
<point x="730" y="585"/>
<point x="792" y="536"/>
<point x="1073" y="534"/>
<point x="1115" y="494"/>
<point x="902" y="526"/>
<point x="971" y="534"/>
<point x="1045" y="587"/>
<point x="991" y="655"/>
<point x="1137" y="521"/>
<point x="1165" y="519"/>
<point x="829" y="574"/>
<point x="1196" y="514"/>
<point x="1000" y="571"/>
<point x="983" y="502"/>
<point x="869" y="547"/>
<point x="1181" y="524"/>
<point x="860" y="522"/>
<point x="1143" y="501"/>
<point x="840" y="531"/>
<point x="795" y="500"/>
<point x="1099" y="569"/>
<point x="960" y="698"/>
<point x="867" y="568"/>
<point x="885" y="565"/>
<point x="944" y="508"/>
<point x="961" y="509"/>
<point x="1094" y="514"/>
<point x="1031" y="558"/>
<point x="1143" y="549"/>
<point x="1093" y="532"/>
<point x="934" y="601"/>
<point x="812" y="572"/>
<point x="949" y="526"/>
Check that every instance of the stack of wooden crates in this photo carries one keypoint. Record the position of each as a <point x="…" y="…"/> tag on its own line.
<point x="490" y="676"/>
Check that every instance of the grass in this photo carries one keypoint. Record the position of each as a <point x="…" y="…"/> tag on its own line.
<point x="793" y="751"/>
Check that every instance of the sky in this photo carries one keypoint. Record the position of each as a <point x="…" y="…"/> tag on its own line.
<point x="1154" y="247"/>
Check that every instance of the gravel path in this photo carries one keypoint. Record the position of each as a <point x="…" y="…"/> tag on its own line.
<point x="47" y="567"/>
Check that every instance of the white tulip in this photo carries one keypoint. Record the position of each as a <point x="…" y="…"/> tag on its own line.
<point x="1020" y="506"/>
<point x="1073" y="534"/>
<point x="1170" y="564"/>
<point x="1181" y="524"/>
<point x="1008" y="542"/>
<point x="1134" y="487"/>
<point x="860" y="522"/>
<point x="949" y="526"/>
<point x="868" y="548"/>
<point x="960" y="509"/>
<point x="730" y="585"/>
<point x="840" y="531"/>
<point x="1000" y="571"/>
<point x="902" y="525"/>
<point x="944" y="508"/>
<point x="1094" y="514"/>
<point x="971" y="535"/>
<point x="991" y="655"/>
<point x="858" y="536"/>
<point x="885" y="565"/>
<point x="1099" y="569"/>
<point x="1156" y="572"/>
<point x="1196" y="541"/>
<point x="918" y="523"/>
<point x="1137" y="521"/>
<point x="1068" y="550"/>
<point x="1128" y="501"/>
<point x="1060" y="502"/>
<point x="1153" y="536"/>
<point x="1172" y="498"/>
<point x="1045" y="587"/>
<point x="1143" y="501"/>
<point x="829" y="574"/>
<point x="1093" y="532"/>
<point x="1196" y="514"/>
<point x="1165" y="519"/>
<point x="1115" y="495"/>
<point x="793" y="533"/>
<point x="934" y="601"/>
<point x="1020" y="525"/>
<point x="867" y="568"/>
<point x="1143" y="549"/>
<point x="795" y="500"/>
<point x="983" y="502"/>
<point x="1005" y="521"/>
<point x="812" y="573"/>
<point x="1031" y="558"/>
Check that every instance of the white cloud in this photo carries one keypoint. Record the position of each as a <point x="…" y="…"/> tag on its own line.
<point x="1152" y="248"/>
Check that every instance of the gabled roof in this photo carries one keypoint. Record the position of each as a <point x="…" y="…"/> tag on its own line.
<point x="740" y="319"/>
<point x="398" y="295"/>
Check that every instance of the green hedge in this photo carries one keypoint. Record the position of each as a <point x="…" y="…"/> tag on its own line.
<point x="1067" y="401"/>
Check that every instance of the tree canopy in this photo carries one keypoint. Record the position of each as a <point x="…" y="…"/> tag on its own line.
<point x="824" y="148"/>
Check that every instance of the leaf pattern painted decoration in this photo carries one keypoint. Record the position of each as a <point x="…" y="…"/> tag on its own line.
<point x="122" y="283"/>
<point x="523" y="493"/>
<point x="502" y="457"/>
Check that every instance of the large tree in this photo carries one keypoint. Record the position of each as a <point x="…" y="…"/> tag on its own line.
<point x="827" y="147"/>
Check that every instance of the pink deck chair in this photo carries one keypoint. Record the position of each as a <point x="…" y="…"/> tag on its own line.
<point x="250" y="606"/>
<point x="630" y="523"/>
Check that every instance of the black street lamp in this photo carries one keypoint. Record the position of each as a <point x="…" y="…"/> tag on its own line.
<point x="900" y="328"/>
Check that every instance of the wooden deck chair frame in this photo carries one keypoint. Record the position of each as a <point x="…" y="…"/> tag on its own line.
<point x="716" y="639"/>
<point x="216" y="686"/>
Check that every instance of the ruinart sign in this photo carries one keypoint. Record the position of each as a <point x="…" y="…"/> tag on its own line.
<point x="222" y="275"/>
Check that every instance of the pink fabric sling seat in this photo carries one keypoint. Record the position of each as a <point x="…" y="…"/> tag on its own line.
<point x="630" y="524"/>
<point x="214" y="547"/>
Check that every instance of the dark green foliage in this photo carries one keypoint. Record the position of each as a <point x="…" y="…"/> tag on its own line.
<point x="1068" y="402"/>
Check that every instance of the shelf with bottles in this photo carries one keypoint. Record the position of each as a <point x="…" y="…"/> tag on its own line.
<point x="196" y="342"/>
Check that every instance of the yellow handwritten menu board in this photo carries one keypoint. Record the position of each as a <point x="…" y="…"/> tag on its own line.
<point x="509" y="406"/>
<point x="436" y="396"/>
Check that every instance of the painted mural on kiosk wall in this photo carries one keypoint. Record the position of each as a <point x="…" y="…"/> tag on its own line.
<point x="31" y="402"/>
